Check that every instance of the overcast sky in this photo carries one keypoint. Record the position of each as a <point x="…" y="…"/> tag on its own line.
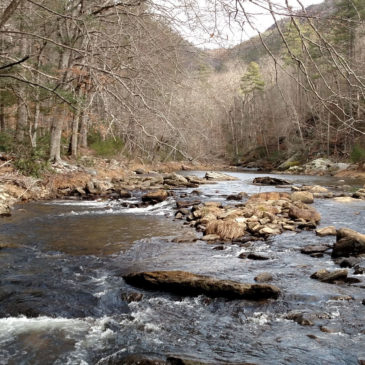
<point x="207" y="25"/>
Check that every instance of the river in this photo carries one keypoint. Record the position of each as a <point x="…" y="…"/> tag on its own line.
<point x="62" y="295"/>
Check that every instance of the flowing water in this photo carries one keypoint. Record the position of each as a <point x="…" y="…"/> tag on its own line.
<point x="61" y="287"/>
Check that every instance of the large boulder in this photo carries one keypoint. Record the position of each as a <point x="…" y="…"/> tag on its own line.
<point x="303" y="196"/>
<point x="309" y="214"/>
<point x="348" y="243"/>
<point x="185" y="283"/>
<point x="320" y="164"/>
<point x="154" y="197"/>
<point x="175" y="180"/>
<point x="291" y="162"/>
<point x="268" y="180"/>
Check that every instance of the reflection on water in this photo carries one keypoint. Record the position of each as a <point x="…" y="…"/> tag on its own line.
<point x="82" y="228"/>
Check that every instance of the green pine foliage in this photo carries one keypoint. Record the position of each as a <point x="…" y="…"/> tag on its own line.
<point x="350" y="14"/>
<point x="252" y="80"/>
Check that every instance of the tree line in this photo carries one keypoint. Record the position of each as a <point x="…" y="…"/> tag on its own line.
<point x="117" y="74"/>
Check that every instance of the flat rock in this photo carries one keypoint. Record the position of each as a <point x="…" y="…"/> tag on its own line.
<point x="211" y="237"/>
<point x="268" y="180"/>
<point x="311" y="249"/>
<point x="330" y="277"/>
<point x="186" y="238"/>
<point x="185" y="283"/>
<point x="315" y="189"/>
<point x="345" y="199"/>
<point x="218" y="176"/>
<point x="326" y="231"/>
<point x="253" y="256"/>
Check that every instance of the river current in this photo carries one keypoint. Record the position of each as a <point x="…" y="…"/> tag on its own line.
<point x="63" y="298"/>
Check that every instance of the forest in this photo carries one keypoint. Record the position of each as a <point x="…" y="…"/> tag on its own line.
<point x="117" y="78"/>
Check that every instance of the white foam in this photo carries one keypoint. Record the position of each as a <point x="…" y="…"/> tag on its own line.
<point x="162" y="208"/>
<point x="80" y="203"/>
<point x="14" y="326"/>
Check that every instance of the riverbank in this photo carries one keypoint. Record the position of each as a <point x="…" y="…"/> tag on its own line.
<point x="95" y="177"/>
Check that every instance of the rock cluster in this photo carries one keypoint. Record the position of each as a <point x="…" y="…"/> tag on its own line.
<point x="120" y="187"/>
<point x="262" y="215"/>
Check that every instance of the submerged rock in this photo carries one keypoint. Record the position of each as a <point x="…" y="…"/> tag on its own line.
<point x="349" y="243"/>
<point x="264" y="277"/>
<point x="254" y="256"/>
<point x="359" y="269"/>
<point x="302" y="318"/>
<point x="123" y="358"/>
<point x="185" y="283"/>
<point x="186" y="238"/>
<point x="132" y="297"/>
<point x="314" y="249"/>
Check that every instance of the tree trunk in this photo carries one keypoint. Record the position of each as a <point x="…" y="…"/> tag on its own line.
<point x="34" y="134"/>
<point x="56" y="134"/>
<point x="22" y="117"/>
<point x="83" y="130"/>
<point x="2" y="117"/>
<point x="57" y="124"/>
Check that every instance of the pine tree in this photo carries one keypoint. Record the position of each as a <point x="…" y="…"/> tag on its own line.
<point x="252" y="80"/>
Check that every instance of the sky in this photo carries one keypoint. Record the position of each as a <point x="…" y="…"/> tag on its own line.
<point x="213" y="24"/>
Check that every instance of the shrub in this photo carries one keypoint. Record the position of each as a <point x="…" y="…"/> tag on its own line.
<point x="107" y="147"/>
<point x="6" y="142"/>
<point x="358" y="154"/>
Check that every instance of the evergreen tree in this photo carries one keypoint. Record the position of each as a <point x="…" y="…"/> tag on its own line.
<point x="252" y="80"/>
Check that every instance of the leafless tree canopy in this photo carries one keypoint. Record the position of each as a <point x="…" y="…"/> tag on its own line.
<point x="80" y="72"/>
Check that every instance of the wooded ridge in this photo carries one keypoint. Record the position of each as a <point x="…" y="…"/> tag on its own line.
<point x="117" y="79"/>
